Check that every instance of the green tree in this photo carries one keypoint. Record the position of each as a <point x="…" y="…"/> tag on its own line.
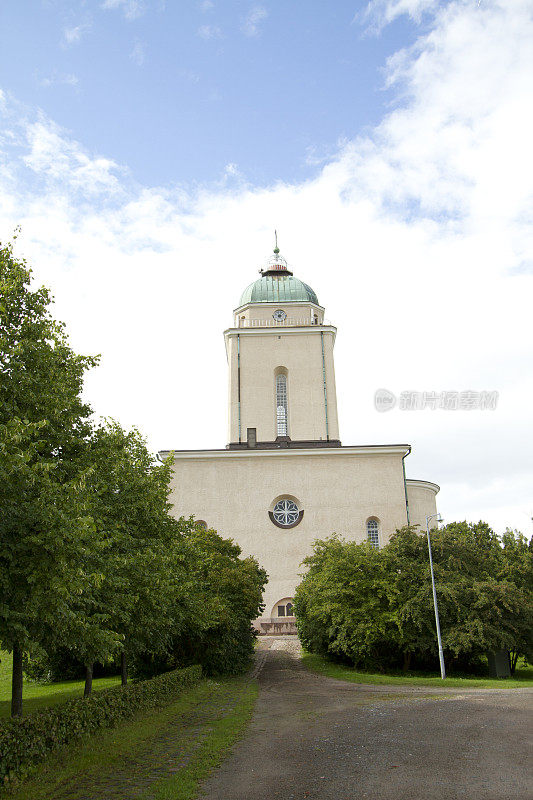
<point x="342" y="605"/>
<point x="229" y="589"/>
<point x="217" y="595"/>
<point x="517" y="568"/>
<point x="43" y="429"/>
<point x="480" y="608"/>
<point x="44" y="532"/>
<point x="128" y="499"/>
<point x="375" y="607"/>
<point x="134" y="600"/>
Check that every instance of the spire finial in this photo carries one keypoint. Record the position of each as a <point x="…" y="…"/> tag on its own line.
<point x="276" y="248"/>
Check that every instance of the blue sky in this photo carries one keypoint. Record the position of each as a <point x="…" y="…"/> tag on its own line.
<point x="178" y="91"/>
<point x="148" y="150"/>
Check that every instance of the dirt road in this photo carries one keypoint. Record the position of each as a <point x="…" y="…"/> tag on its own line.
<point x="315" y="737"/>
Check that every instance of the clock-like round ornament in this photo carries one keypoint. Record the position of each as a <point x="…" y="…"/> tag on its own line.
<point x="279" y="315"/>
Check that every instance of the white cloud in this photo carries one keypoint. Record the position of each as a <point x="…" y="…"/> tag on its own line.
<point x="414" y="236"/>
<point x="232" y="176"/>
<point x="209" y="32"/>
<point x="255" y="16"/>
<point x="381" y="12"/>
<point x="56" y="78"/>
<point x="59" y="160"/>
<point x="206" y="5"/>
<point x="132" y="9"/>
<point x="74" y="34"/>
<point x="138" y="54"/>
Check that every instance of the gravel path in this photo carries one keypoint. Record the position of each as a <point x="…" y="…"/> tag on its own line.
<point x="315" y="737"/>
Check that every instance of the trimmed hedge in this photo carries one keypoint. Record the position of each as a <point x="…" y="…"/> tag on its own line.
<point x="26" y="741"/>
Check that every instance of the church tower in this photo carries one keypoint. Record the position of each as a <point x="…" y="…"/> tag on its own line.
<point x="281" y="372"/>
<point x="284" y="479"/>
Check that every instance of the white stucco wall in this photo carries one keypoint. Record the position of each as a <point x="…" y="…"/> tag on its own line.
<point x="422" y="496"/>
<point x="299" y="351"/>
<point x="338" y="489"/>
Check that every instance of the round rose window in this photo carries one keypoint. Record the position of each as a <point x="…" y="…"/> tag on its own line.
<point x="286" y="512"/>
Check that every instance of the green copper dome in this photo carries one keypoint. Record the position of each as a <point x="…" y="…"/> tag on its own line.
<point x="278" y="289"/>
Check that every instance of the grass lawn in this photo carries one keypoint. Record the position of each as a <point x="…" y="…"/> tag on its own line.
<point x="40" y="695"/>
<point x="522" y="677"/>
<point x="160" y="755"/>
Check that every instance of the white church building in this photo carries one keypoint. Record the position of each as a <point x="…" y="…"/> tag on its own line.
<point x="284" y="478"/>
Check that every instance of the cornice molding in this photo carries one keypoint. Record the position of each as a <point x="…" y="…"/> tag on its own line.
<point x="277" y="304"/>
<point x="418" y="484"/>
<point x="280" y="330"/>
<point x="349" y="452"/>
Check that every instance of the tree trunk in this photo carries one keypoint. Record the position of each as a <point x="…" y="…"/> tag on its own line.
<point x="16" y="683"/>
<point x="513" y="660"/>
<point x="406" y="661"/>
<point x="88" y="680"/>
<point x="123" y="669"/>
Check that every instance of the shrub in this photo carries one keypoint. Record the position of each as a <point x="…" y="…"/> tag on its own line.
<point x="24" y="742"/>
<point x="374" y="608"/>
<point x="223" y="596"/>
<point x="226" y="649"/>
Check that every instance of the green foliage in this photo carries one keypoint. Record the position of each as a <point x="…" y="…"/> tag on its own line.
<point x="342" y="606"/>
<point x="46" y="531"/>
<point x="134" y="588"/>
<point x="222" y="594"/>
<point x="42" y="425"/>
<point x="42" y="529"/>
<point x="189" y="727"/>
<point x="39" y="695"/>
<point x="229" y="591"/>
<point x="42" y="377"/>
<point x="59" y="664"/>
<point x="374" y="609"/>
<point x="93" y="566"/>
<point x="27" y="741"/>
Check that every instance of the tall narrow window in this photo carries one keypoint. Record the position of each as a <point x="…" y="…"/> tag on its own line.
<point x="372" y="530"/>
<point x="281" y="404"/>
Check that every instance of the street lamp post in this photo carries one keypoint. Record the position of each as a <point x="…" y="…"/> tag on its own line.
<point x="437" y="623"/>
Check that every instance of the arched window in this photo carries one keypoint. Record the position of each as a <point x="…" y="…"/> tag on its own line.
<point x="281" y="404"/>
<point x="284" y="608"/>
<point x="372" y="531"/>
